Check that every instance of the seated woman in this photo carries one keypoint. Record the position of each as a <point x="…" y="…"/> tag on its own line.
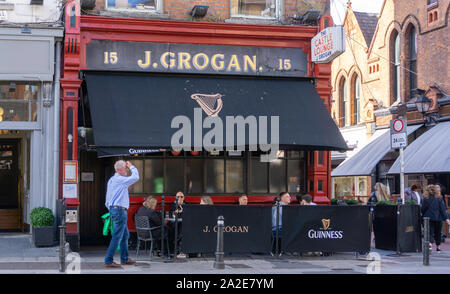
<point x="206" y="200"/>
<point x="154" y="217"/>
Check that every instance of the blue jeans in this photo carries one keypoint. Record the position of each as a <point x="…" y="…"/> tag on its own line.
<point x="120" y="235"/>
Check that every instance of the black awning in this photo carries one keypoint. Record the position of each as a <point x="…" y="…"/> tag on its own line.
<point x="135" y="111"/>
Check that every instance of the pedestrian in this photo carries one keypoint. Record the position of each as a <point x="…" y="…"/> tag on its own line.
<point x="284" y="199"/>
<point x="118" y="202"/>
<point x="381" y="193"/>
<point x="412" y="193"/>
<point x="243" y="199"/>
<point x="434" y="207"/>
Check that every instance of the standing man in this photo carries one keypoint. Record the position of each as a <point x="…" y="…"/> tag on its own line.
<point x="118" y="202"/>
<point x="285" y="199"/>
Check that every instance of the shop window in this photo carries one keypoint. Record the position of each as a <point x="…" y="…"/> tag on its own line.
<point x="234" y="176"/>
<point x="215" y="176"/>
<point x="131" y="4"/>
<point x="260" y="8"/>
<point x="296" y="174"/>
<point x="259" y="176"/>
<point x="138" y="186"/>
<point x="277" y="176"/>
<point x="174" y="175"/>
<point x="194" y="175"/>
<point x="18" y="102"/>
<point x="154" y="176"/>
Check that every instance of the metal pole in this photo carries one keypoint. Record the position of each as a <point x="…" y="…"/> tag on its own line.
<point x="219" y="263"/>
<point x="402" y="175"/>
<point x="176" y="228"/>
<point x="62" y="248"/>
<point x="277" y="227"/>
<point x="162" y="224"/>
<point x="426" y="241"/>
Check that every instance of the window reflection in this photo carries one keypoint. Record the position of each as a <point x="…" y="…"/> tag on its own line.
<point x="18" y="101"/>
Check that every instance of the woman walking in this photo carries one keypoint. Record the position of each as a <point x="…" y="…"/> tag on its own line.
<point x="434" y="208"/>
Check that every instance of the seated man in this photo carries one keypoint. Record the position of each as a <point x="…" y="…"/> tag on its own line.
<point x="243" y="200"/>
<point x="307" y="200"/>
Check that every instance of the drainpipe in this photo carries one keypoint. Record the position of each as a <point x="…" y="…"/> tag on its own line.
<point x="56" y="122"/>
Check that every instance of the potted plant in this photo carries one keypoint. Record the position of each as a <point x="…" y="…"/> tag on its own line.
<point x="42" y="220"/>
<point x="397" y="227"/>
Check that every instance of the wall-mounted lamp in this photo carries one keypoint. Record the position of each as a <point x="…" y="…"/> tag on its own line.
<point x="423" y="104"/>
<point x="37" y="2"/>
<point x="199" y="10"/>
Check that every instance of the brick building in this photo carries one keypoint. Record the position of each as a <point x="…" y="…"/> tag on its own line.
<point x="250" y="50"/>
<point x="408" y="50"/>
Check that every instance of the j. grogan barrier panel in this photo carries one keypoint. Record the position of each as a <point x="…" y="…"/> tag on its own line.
<point x="247" y="228"/>
<point x="304" y="228"/>
<point x="325" y="228"/>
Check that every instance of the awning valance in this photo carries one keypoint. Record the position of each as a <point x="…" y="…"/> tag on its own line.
<point x="137" y="111"/>
<point x="363" y="162"/>
<point x="430" y="153"/>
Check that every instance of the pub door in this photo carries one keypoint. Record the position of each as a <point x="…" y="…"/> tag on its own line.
<point x="10" y="208"/>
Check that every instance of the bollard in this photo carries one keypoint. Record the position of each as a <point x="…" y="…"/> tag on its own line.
<point x="426" y="241"/>
<point x="62" y="248"/>
<point x="219" y="263"/>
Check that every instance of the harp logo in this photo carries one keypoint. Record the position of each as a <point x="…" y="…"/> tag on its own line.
<point x="211" y="104"/>
<point x="326" y="224"/>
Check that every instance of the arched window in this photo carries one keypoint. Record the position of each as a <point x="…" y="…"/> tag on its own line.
<point x="412" y="58"/>
<point x="395" y="66"/>
<point x="342" y="102"/>
<point x="355" y="100"/>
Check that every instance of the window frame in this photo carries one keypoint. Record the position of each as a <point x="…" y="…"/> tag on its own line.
<point x="159" y="8"/>
<point x="278" y="6"/>
<point x="412" y="58"/>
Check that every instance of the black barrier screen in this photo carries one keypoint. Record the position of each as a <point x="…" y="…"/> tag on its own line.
<point x="385" y="227"/>
<point x="409" y="229"/>
<point x="247" y="228"/>
<point x="325" y="228"/>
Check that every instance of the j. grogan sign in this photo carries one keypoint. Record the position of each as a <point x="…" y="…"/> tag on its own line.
<point x="195" y="58"/>
<point x="328" y="44"/>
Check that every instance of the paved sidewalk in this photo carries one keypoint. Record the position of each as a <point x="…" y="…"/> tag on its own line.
<point x="18" y="255"/>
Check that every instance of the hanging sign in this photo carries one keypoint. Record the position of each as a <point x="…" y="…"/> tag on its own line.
<point x="328" y="44"/>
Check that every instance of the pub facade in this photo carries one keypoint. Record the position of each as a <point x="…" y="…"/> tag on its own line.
<point x="217" y="109"/>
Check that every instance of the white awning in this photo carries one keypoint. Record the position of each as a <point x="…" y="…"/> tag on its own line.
<point x="363" y="162"/>
<point x="430" y="153"/>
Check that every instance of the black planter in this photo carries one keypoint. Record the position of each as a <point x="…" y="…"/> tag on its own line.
<point x="87" y="4"/>
<point x="43" y="236"/>
<point x="397" y="229"/>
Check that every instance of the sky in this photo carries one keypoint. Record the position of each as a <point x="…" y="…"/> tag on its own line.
<point x="338" y="8"/>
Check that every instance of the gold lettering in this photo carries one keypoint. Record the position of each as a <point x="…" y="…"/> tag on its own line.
<point x="215" y="229"/>
<point x="206" y="230"/>
<point x="183" y="59"/>
<point x="164" y="60"/>
<point x="147" y="60"/>
<point x="245" y="229"/>
<point x="214" y="63"/>
<point x="205" y="61"/>
<point x="249" y="62"/>
<point x="234" y="63"/>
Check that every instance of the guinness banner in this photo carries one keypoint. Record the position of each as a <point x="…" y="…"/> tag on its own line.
<point x="325" y="228"/>
<point x="246" y="229"/>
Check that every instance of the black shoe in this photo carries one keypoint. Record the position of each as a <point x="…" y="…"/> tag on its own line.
<point x="437" y="249"/>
